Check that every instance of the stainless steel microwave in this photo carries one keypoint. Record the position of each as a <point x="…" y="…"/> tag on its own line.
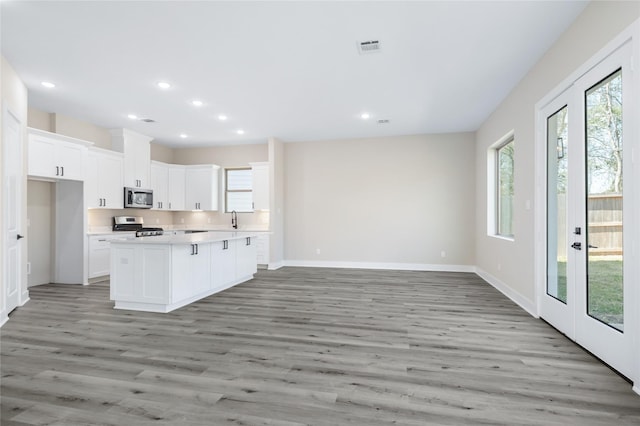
<point x="136" y="198"/>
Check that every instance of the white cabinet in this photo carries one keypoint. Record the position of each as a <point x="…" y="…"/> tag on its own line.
<point x="137" y="156"/>
<point x="159" y="184"/>
<point x="162" y="276"/>
<point x="168" y="184"/>
<point x="223" y="263"/>
<point x="176" y="187"/>
<point x="104" y="186"/>
<point x="100" y="253"/>
<point x="140" y="276"/>
<point x="262" y="248"/>
<point x="191" y="270"/>
<point x="55" y="156"/>
<point x="201" y="187"/>
<point x="246" y="257"/>
<point x="260" y="180"/>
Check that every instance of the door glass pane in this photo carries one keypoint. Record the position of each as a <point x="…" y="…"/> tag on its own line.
<point x="604" y="201"/>
<point x="557" y="160"/>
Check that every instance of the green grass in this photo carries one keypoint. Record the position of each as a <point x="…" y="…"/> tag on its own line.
<point x="605" y="295"/>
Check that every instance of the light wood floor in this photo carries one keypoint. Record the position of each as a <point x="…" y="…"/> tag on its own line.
<point x="303" y="347"/>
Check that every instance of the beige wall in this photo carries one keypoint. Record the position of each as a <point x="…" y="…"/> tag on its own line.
<point x="13" y="95"/>
<point x="38" y="119"/>
<point x="511" y="263"/>
<point x="161" y="153"/>
<point x="277" y="165"/>
<point x="398" y="200"/>
<point x="74" y="128"/>
<point x="40" y="215"/>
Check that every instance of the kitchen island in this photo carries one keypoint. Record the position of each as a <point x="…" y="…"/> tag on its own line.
<point x="164" y="273"/>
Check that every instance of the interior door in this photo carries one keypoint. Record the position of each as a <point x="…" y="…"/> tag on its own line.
<point x="588" y="293"/>
<point x="12" y="202"/>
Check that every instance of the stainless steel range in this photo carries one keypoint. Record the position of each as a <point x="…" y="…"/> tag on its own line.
<point x="134" y="223"/>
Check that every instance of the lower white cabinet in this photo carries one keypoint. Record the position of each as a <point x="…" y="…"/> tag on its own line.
<point x="223" y="263"/>
<point x="262" y="248"/>
<point x="246" y="257"/>
<point x="100" y="254"/>
<point x="191" y="270"/>
<point x="161" y="277"/>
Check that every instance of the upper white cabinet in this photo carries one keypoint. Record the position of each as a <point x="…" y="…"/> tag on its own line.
<point x="137" y="156"/>
<point x="201" y="187"/>
<point x="159" y="184"/>
<point x="54" y="156"/>
<point x="176" y="187"/>
<point x="168" y="184"/>
<point x="260" y="179"/>
<point x="104" y="187"/>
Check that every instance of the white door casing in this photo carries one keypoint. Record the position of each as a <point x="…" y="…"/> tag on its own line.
<point x="12" y="145"/>
<point x="620" y="349"/>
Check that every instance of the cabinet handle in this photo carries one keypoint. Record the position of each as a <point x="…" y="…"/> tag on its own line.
<point x="225" y="245"/>
<point x="62" y="168"/>
<point x="196" y="249"/>
<point x="104" y="202"/>
<point x="57" y="171"/>
<point x="169" y="205"/>
<point x="248" y="241"/>
<point x="192" y="250"/>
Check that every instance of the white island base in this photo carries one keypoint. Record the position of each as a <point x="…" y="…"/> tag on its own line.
<point x="164" y="273"/>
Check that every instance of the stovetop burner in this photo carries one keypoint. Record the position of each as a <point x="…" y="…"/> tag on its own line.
<point x="134" y="223"/>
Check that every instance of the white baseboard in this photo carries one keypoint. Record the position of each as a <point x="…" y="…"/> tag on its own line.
<point x="275" y="265"/>
<point x="516" y="297"/>
<point x="636" y="389"/>
<point x="3" y="319"/>
<point x="379" y="265"/>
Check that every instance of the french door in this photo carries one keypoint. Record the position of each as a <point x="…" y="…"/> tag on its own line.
<point x="589" y="287"/>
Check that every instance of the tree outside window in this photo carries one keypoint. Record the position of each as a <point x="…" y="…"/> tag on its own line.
<point x="504" y="198"/>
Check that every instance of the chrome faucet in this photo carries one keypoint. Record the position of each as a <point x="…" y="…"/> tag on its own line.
<point x="234" y="219"/>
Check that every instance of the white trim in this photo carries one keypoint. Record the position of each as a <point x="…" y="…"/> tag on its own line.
<point x="512" y="294"/>
<point x="636" y="389"/>
<point x="379" y="265"/>
<point x="272" y="266"/>
<point x="3" y="319"/>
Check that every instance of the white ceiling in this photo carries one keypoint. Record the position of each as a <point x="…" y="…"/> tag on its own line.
<point x="285" y="69"/>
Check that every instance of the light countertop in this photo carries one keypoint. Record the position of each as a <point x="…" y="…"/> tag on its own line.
<point x="197" y="238"/>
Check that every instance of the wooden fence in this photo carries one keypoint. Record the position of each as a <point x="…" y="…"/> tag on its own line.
<point x="605" y="225"/>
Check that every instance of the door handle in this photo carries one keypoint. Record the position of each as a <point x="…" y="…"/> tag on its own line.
<point x="20" y="237"/>
<point x="577" y="246"/>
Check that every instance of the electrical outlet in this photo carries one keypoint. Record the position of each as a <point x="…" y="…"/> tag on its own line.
<point x="443" y="253"/>
<point x="208" y="220"/>
<point x="317" y="251"/>
<point x="182" y="220"/>
<point x="157" y="220"/>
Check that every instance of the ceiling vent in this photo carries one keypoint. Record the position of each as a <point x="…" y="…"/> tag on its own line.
<point x="368" y="46"/>
<point x="147" y="120"/>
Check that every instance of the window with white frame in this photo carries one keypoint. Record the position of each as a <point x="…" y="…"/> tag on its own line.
<point x="238" y="190"/>
<point x="501" y="187"/>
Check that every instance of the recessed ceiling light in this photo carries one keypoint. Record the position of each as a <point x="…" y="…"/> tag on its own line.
<point x="183" y="135"/>
<point x="132" y="116"/>
<point x="222" y="117"/>
<point x="365" y="115"/>
<point x="48" y="85"/>
<point x="197" y="103"/>
<point x="240" y="132"/>
<point x="164" y="85"/>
